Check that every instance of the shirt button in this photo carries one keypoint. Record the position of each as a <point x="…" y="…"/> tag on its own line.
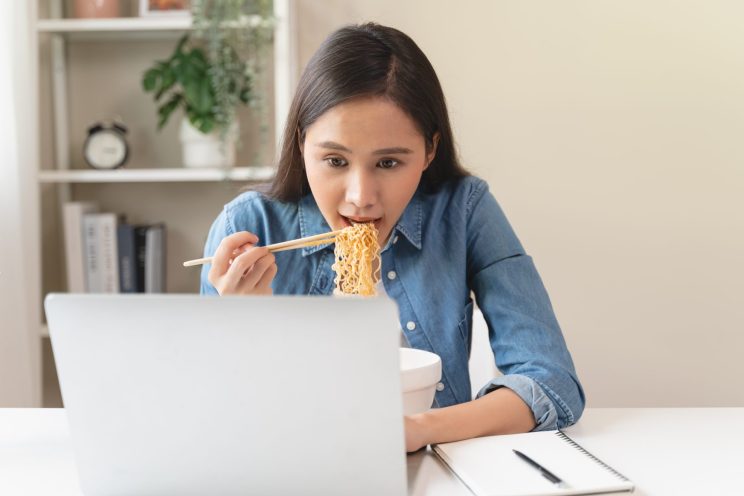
<point x="395" y="239"/>
<point x="391" y="275"/>
<point x="411" y="325"/>
<point x="440" y="386"/>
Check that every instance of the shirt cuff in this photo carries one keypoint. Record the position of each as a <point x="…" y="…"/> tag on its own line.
<point x="531" y="393"/>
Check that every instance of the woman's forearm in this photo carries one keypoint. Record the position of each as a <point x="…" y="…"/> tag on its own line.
<point x="499" y="412"/>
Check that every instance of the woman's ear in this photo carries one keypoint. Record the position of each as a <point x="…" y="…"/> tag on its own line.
<point x="432" y="150"/>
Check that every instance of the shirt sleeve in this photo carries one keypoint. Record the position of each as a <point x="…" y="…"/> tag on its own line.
<point x="525" y="337"/>
<point x="546" y="416"/>
<point x="221" y="227"/>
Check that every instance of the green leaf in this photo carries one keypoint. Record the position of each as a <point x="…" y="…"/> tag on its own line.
<point x="188" y="74"/>
<point x="191" y="92"/>
<point x="181" y="43"/>
<point x="208" y="126"/>
<point x="168" y="80"/>
<point x="199" y="96"/>
<point x="167" y="109"/>
<point x="204" y="103"/>
<point x="177" y="68"/>
<point x="197" y="59"/>
<point x="150" y="79"/>
<point x="204" y="123"/>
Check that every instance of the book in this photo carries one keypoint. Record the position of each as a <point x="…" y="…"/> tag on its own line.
<point x="108" y="252"/>
<point x="489" y="466"/>
<point x="140" y="239"/>
<point x="101" y="253"/>
<point x="127" y="247"/>
<point x="74" y="235"/>
<point x="155" y="259"/>
<point x="93" y="278"/>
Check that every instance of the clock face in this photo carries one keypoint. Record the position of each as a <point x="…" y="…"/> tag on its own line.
<point x="105" y="149"/>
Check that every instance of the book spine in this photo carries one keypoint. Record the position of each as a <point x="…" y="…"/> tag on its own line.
<point x="92" y="262"/>
<point x="155" y="259"/>
<point x="127" y="248"/>
<point x="74" y="235"/>
<point x="140" y="241"/>
<point x="109" y="258"/>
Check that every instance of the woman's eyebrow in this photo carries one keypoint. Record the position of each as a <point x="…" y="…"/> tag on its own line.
<point x="333" y="146"/>
<point x="382" y="151"/>
<point x="393" y="150"/>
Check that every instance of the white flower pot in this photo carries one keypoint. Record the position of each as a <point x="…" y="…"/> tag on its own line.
<point x="206" y="150"/>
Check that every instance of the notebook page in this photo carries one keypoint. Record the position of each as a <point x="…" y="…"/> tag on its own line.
<point x="490" y="468"/>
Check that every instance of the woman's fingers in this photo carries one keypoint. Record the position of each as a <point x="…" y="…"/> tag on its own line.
<point x="264" y="284"/>
<point x="252" y="277"/>
<point x="243" y="265"/>
<point x="240" y="267"/>
<point x="226" y="252"/>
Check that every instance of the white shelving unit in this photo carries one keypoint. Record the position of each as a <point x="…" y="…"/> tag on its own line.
<point x="122" y="24"/>
<point x="159" y="175"/>
<point x="64" y="177"/>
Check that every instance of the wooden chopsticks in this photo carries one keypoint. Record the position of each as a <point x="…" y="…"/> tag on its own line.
<point x="318" y="239"/>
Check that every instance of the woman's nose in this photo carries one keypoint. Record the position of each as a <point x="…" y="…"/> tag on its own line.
<point x="361" y="188"/>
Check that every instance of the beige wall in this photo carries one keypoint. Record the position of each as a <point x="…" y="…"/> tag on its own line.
<point x="609" y="131"/>
<point x="611" y="134"/>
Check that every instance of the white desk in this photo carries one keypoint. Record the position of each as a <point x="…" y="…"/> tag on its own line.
<point x="665" y="451"/>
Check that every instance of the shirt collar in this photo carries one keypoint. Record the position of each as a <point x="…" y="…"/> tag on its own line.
<point x="411" y="222"/>
<point x="312" y="222"/>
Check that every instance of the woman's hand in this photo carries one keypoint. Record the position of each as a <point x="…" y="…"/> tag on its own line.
<point x="415" y="433"/>
<point x="239" y="267"/>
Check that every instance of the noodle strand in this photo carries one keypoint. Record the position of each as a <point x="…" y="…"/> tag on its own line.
<point x="356" y="251"/>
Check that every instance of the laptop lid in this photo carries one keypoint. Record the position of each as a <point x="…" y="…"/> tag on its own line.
<point x="184" y="394"/>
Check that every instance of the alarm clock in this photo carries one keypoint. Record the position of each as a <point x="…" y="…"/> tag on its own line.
<point x="106" y="146"/>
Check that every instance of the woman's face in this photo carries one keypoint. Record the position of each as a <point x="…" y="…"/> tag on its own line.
<point x="364" y="159"/>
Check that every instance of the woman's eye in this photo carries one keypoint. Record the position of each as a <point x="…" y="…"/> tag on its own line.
<point x="335" y="161"/>
<point x="387" y="163"/>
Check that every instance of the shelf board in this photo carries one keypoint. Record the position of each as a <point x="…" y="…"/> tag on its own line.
<point x="138" y="27"/>
<point x="120" y="24"/>
<point x="160" y="175"/>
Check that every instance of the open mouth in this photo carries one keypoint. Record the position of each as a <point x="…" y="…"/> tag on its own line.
<point x="349" y="221"/>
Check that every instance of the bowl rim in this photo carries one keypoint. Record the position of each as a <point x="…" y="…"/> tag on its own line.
<point x="432" y="359"/>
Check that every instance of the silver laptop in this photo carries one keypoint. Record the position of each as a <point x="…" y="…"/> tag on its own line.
<point x="183" y="394"/>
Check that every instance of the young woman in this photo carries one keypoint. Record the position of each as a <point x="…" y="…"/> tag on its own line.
<point x="368" y="139"/>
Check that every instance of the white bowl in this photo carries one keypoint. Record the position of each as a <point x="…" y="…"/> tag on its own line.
<point x="420" y="371"/>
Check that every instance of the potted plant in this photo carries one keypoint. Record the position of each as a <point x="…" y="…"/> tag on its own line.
<point x="209" y="75"/>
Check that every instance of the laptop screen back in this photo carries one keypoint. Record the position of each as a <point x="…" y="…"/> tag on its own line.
<point x="182" y="394"/>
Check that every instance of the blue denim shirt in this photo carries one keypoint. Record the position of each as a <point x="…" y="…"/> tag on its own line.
<point x="446" y="247"/>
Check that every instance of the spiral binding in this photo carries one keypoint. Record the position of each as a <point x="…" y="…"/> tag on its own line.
<point x="576" y="445"/>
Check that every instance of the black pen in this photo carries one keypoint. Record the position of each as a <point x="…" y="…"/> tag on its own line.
<point x="544" y="471"/>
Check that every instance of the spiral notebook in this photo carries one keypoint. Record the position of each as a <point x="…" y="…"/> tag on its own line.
<point x="489" y="466"/>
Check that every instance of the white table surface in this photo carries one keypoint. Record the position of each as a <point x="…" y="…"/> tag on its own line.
<point x="664" y="451"/>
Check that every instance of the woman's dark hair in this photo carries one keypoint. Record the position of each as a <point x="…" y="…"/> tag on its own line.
<point x="362" y="61"/>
